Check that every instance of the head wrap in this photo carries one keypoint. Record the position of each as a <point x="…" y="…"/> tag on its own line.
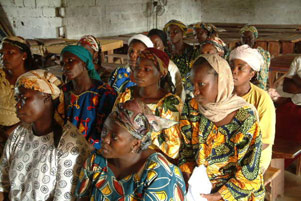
<point x="249" y="55"/>
<point x="85" y="56"/>
<point x="210" y="28"/>
<point x="226" y="101"/>
<point x="251" y="29"/>
<point x="17" y="41"/>
<point x="40" y="80"/>
<point x="162" y="35"/>
<point x="180" y="24"/>
<point x="218" y="43"/>
<point x="137" y="118"/>
<point x="91" y="41"/>
<point x="142" y="38"/>
<point x="160" y="59"/>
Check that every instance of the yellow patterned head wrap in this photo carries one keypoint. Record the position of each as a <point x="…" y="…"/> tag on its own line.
<point x="180" y="24"/>
<point x="42" y="81"/>
<point x="251" y="29"/>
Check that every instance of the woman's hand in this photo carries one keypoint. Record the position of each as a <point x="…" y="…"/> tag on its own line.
<point x="212" y="197"/>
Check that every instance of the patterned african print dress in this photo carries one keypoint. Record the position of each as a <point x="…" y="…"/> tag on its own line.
<point x="32" y="168"/>
<point x="231" y="153"/>
<point x="157" y="180"/>
<point x="120" y="79"/>
<point x="89" y="110"/>
<point x="263" y="75"/>
<point x="183" y="61"/>
<point x="169" y="107"/>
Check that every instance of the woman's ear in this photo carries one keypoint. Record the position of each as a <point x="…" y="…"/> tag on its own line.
<point x="252" y="74"/>
<point x="24" y="56"/>
<point x="136" y="146"/>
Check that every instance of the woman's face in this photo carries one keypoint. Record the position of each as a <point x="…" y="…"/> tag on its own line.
<point x="117" y="142"/>
<point x="135" y="48"/>
<point x="158" y="43"/>
<point x="241" y="71"/>
<point x="205" y="84"/>
<point x="12" y="57"/>
<point x="146" y="73"/>
<point x="208" y="49"/>
<point x="30" y="104"/>
<point x="175" y="34"/>
<point x="201" y="34"/>
<point x="248" y="38"/>
<point x="72" y="65"/>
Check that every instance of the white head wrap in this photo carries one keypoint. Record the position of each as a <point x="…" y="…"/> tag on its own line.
<point x="143" y="38"/>
<point x="249" y="55"/>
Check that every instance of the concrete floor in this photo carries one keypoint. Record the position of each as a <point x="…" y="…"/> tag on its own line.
<point x="292" y="189"/>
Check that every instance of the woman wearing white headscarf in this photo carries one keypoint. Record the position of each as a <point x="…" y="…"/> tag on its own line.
<point x="121" y="77"/>
<point x="221" y="132"/>
<point x="245" y="62"/>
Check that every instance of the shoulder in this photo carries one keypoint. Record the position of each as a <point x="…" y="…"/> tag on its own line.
<point x="102" y="87"/>
<point x="158" y="166"/>
<point x="72" y="140"/>
<point x="260" y="95"/>
<point x="20" y="131"/>
<point x="125" y="70"/>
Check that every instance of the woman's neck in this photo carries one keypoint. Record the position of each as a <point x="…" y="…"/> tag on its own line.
<point x="43" y="126"/>
<point x="242" y="89"/>
<point x="150" y="92"/>
<point x="12" y="75"/>
<point x="179" y="47"/>
<point x="82" y="83"/>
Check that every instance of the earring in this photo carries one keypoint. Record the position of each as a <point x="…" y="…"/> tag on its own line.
<point x="23" y="59"/>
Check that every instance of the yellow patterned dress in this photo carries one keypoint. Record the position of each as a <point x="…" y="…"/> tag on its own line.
<point x="168" y="107"/>
<point x="231" y="152"/>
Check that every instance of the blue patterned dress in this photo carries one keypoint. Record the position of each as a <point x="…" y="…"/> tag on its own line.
<point x="88" y="110"/>
<point x="158" y="180"/>
<point x="120" y="79"/>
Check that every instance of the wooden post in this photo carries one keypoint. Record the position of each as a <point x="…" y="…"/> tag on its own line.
<point x="287" y="47"/>
<point x="274" y="48"/>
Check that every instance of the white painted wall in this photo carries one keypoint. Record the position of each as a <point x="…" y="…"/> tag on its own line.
<point x="37" y="18"/>
<point x="32" y="18"/>
<point x="114" y="17"/>
<point x="252" y="11"/>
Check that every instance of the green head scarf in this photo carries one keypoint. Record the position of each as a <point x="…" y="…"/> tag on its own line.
<point x="85" y="56"/>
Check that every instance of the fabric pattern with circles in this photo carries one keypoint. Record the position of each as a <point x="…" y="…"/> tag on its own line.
<point x="32" y="168"/>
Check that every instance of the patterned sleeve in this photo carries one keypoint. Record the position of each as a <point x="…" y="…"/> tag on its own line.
<point x="84" y="185"/>
<point x="188" y="124"/>
<point x="169" y="140"/>
<point x="72" y="156"/>
<point x="105" y="105"/>
<point x="164" y="182"/>
<point x="248" y="178"/>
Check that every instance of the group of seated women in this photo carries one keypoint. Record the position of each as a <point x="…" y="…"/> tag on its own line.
<point x="139" y="136"/>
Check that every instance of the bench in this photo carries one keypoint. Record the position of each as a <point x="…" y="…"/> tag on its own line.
<point x="270" y="174"/>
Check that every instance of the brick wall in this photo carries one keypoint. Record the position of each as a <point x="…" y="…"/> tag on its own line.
<point x="114" y="17"/>
<point x="32" y="18"/>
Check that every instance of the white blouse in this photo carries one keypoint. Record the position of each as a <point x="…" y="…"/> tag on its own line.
<point x="32" y="168"/>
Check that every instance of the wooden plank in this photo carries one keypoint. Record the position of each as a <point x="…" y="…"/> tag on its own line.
<point x="278" y="182"/>
<point x="270" y="174"/>
<point x="287" y="47"/>
<point x="262" y="44"/>
<point x="274" y="48"/>
<point x="286" y="148"/>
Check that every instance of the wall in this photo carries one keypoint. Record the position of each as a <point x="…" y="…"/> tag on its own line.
<point x="37" y="18"/>
<point x="32" y="18"/>
<point x="114" y="17"/>
<point x="252" y="11"/>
